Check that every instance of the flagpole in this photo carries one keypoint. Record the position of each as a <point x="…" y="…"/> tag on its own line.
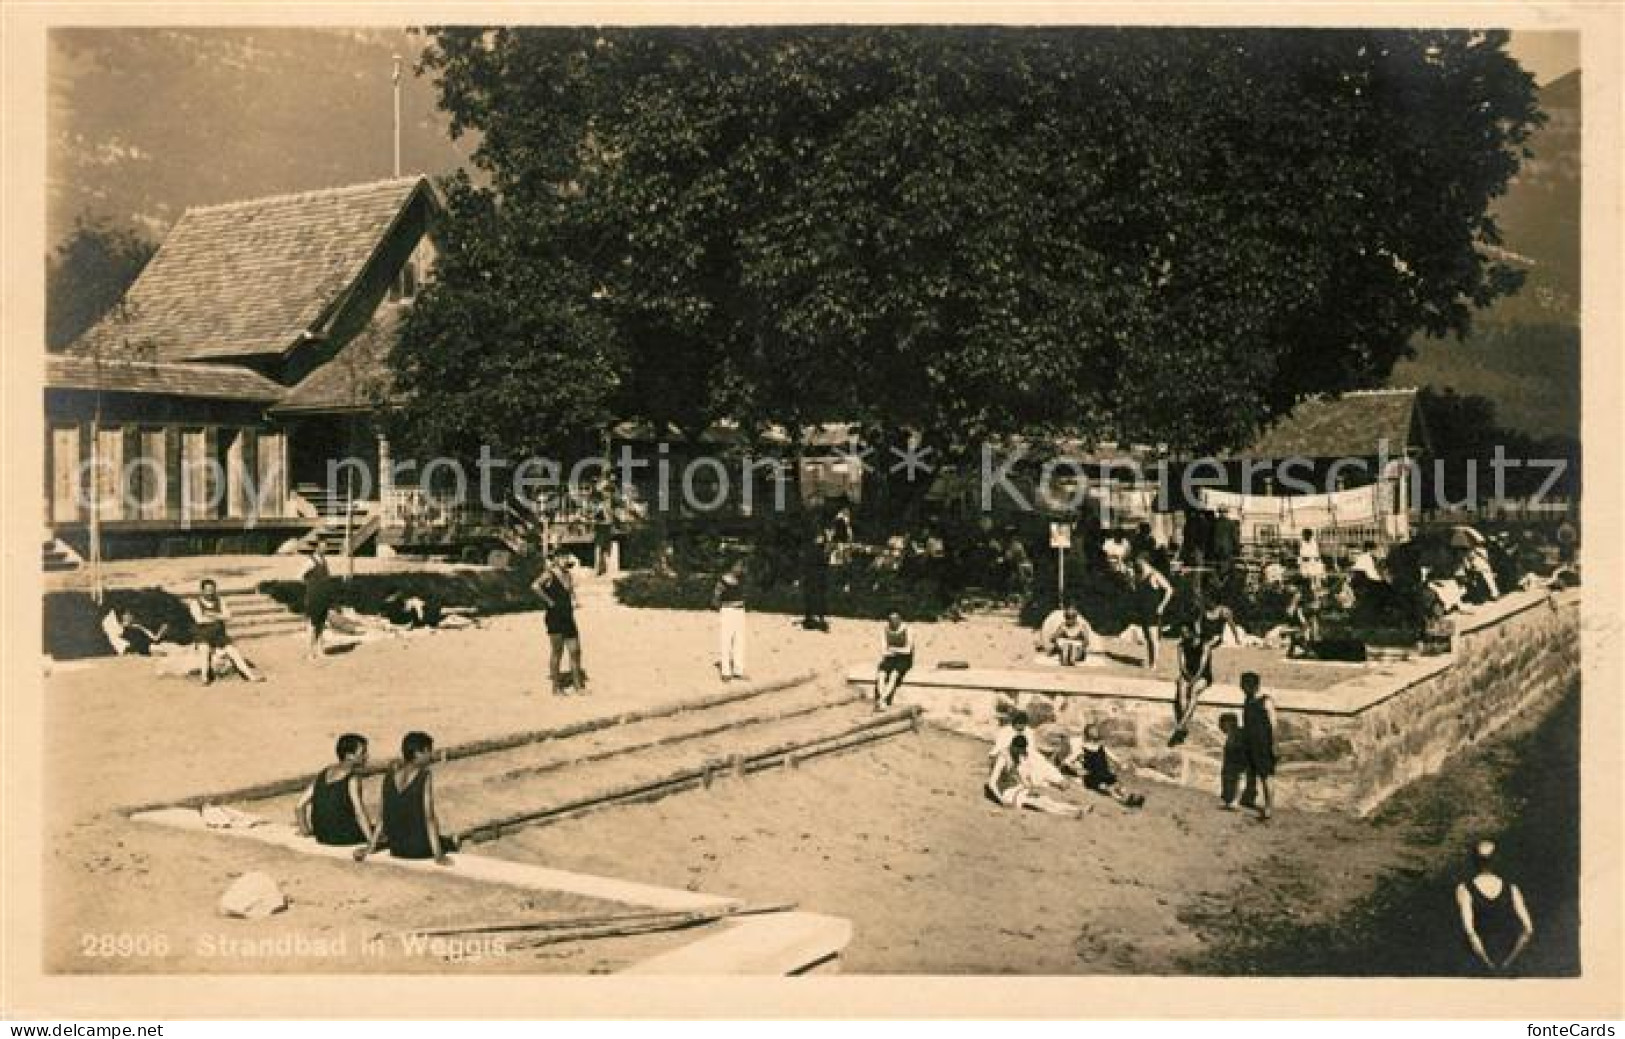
<point x="396" y="78"/>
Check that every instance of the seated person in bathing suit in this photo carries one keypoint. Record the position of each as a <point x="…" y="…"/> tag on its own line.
<point x="410" y="825"/>
<point x="332" y="809"/>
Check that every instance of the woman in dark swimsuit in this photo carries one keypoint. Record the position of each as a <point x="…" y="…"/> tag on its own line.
<point x="1494" y="917"/>
<point x="409" y="825"/>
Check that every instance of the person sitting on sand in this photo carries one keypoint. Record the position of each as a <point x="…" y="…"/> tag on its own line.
<point x="410" y="826"/>
<point x="1070" y="640"/>
<point x="1012" y="784"/>
<point x="1494" y="918"/>
<point x="896" y="657"/>
<point x="332" y="809"/>
<point x="209" y="615"/>
<point x="1093" y="763"/>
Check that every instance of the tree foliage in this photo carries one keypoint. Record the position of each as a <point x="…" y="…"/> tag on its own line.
<point x="86" y="277"/>
<point x="1159" y="235"/>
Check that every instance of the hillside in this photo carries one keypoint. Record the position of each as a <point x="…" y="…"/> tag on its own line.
<point x="1524" y="353"/>
<point x="145" y="122"/>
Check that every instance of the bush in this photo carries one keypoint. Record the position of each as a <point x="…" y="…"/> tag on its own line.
<point x="488" y="591"/>
<point x="855" y="591"/>
<point x="72" y="627"/>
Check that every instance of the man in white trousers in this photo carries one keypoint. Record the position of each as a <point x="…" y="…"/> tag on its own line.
<point x="728" y="599"/>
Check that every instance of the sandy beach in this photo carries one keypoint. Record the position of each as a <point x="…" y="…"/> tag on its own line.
<point x="896" y="837"/>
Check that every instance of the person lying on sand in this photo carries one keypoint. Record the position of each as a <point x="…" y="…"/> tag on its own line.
<point x="1012" y="785"/>
<point x="410" y="825"/>
<point x="332" y="809"/>
<point x="1093" y="763"/>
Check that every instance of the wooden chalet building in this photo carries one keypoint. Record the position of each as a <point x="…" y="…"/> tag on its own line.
<point x="248" y="355"/>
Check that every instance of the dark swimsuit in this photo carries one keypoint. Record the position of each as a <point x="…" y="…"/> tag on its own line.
<point x="1097" y="769"/>
<point x="1259" y="738"/>
<point x="1496" y="921"/>
<point x="897" y="662"/>
<point x="561" y="613"/>
<point x="1190" y="655"/>
<point x="332" y="816"/>
<point x="405" y="822"/>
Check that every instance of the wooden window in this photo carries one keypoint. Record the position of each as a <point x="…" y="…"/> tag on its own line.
<point x="195" y="483"/>
<point x="151" y="475"/>
<point x="271" y="487"/>
<point x="109" y="473"/>
<point x="65" y="474"/>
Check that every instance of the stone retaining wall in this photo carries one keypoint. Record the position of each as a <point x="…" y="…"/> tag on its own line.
<point x="1346" y="748"/>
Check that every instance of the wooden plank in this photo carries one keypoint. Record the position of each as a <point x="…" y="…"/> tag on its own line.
<point x="467" y="865"/>
<point x="676" y="782"/>
<point x="291" y="784"/>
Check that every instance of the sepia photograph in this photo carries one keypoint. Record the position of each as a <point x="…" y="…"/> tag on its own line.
<point x="767" y="498"/>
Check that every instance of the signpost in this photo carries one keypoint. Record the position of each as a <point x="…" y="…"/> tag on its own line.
<point x="1060" y="539"/>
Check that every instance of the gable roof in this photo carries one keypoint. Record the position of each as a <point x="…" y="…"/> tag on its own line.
<point x="1351" y="426"/>
<point x="357" y="376"/>
<point x="216" y="381"/>
<point x="254" y="278"/>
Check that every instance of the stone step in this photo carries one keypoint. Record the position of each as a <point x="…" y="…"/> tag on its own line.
<point x="248" y="633"/>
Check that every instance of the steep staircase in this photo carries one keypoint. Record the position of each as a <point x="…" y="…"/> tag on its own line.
<point x="330" y="533"/>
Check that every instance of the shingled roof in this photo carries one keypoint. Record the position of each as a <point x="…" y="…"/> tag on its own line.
<point x="215" y="381"/>
<point x="1351" y="426"/>
<point x="358" y="376"/>
<point x="252" y="278"/>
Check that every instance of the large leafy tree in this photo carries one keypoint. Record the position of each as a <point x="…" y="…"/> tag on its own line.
<point x="1159" y="235"/>
<point x="87" y="275"/>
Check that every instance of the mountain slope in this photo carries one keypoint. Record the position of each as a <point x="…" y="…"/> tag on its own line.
<point x="146" y="122"/>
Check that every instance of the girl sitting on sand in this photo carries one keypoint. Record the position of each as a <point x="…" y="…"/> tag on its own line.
<point x="410" y="825"/>
<point x="1093" y="763"/>
<point x="1011" y="784"/>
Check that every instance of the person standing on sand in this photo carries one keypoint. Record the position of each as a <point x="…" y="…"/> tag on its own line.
<point x="556" y="588"/>
<point x="815" y="584"/>
<point x="728" y="599"/>
<point x="1494" y="918"/>
<point x="1258" y="736"/>
<point x="410" y="824"/>
<point x="1152" y="594"/>
<point x="318" y="600"/>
